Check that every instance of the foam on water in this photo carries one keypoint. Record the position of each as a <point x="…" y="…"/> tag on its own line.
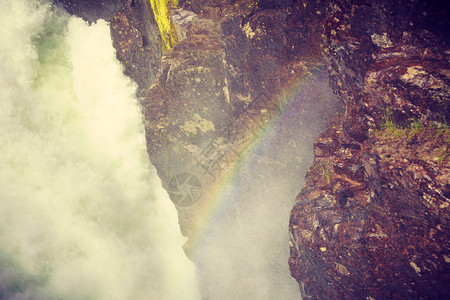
<point x="82" y="212"/>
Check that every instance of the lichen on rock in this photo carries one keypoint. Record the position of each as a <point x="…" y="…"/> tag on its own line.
<point x="198" y="123"/>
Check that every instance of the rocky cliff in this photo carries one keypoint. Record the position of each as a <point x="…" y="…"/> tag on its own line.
<point x="220" y="85"/>
<point x="372" y="220"/>
<point x="233" y="80"/>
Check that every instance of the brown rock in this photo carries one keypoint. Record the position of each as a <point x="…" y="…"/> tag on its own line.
<point x="372" y="219"/>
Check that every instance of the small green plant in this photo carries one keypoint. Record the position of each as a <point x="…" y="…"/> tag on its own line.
<point x="415" y="128"/>
<point x="416" y="125"/>
<point x="443" y="155"/>
<point x="389" y="128"/>
<point x="388" y="121"/>
<point x="442" y="128"/>
<point x="325" y="172"/>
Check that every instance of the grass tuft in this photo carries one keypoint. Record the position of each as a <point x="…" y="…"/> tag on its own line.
<point x="416" y="130"/>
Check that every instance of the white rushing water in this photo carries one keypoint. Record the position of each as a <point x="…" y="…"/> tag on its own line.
<point x="82" y="211"/>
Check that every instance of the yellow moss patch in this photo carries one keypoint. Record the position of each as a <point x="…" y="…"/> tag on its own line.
<point x="163" y="19"/>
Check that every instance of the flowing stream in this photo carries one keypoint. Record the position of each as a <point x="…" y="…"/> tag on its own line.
<point x="82" y="211"/>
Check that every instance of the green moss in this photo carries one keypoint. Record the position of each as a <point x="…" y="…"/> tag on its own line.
<point x="412" y="129"/>
<point x="388" y="126"/>
<point x="416" y="130"/>
<point x="325" y="172"/>
<point x="162" y="16"/>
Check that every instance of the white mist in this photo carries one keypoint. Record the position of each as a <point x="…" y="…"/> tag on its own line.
<point x="82" y="212"/>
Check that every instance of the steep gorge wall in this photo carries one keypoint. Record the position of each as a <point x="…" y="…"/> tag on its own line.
<point x="220" y="90"/>
<point x="372" y="221"/>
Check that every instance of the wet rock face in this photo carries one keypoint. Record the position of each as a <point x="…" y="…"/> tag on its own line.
<point x="238" y="68"/>
<point x="372" y="221"/>
<point x="136" y="39"/>
<point x="90" y="10"/>
<point x="222" y="83"/>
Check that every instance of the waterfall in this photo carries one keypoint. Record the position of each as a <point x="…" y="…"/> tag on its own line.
<point x="83" y="214"/>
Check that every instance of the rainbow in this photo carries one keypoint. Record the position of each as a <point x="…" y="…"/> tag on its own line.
<point x="218" y="192"/>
